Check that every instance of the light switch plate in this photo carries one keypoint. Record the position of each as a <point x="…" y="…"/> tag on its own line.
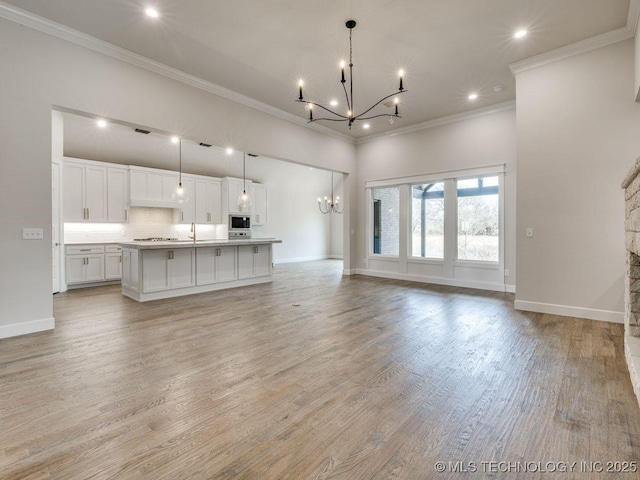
<point x="32" y="233"/>
<point x="529" y="232"/>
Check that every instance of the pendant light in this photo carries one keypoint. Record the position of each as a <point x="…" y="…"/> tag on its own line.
<point x="330" y="205"/>
<point x="244" y="200"/>
<point x="180" y="195"/>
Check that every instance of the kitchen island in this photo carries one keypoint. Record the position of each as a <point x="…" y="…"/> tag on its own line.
<point x="153" y="270"/>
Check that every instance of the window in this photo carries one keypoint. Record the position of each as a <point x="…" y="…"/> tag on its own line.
<point x="386" y="220"/>
<point x="427" y="220"/>
<point x="478" y="219"/>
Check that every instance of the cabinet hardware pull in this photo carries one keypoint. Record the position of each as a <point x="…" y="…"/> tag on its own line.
<point x="85" y="249"/>
<point x="88" y="216"/>
<point x="182" y="216"/>
<point x="126" y="215"/>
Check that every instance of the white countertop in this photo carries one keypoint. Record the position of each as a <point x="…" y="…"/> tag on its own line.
<point x="199" y="243"/>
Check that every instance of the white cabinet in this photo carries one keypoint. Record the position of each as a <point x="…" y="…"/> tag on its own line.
<point x="216" y="264"/>
<point x="149" y="187"/>
<point x="207" y="201"/>
<point x="231" y="190"/>
<point x="130" y="265"/>
<point x="168" y="269"/>
<point x="117" y="194"/>
<point x="84" y="191"/>
<point x="112" y="262"/>
<point x="260" y="204"/>
<point x="185" y="211"/>
<point x="85" y="264"/>
<point x="254" y="261"/>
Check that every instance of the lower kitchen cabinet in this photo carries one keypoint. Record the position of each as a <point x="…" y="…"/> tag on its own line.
<point x="168" y="269"/>
<point x="216" y="264"/>
<point x="113" y="266"/>
<point x="84" y="264"/>
<point x="254" y="261"/>
<point x="91" y="264"/>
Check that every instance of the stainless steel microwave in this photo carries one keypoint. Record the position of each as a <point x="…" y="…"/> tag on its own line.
<point x="239" y="226"/>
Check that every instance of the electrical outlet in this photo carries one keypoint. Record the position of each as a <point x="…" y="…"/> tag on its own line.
<point x="32" y="233"/>
<point x="506" y="272"/>
<point x="529" y="232"/>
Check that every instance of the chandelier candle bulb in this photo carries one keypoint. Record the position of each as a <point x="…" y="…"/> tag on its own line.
<point x="401" y="73"/>
<point x="300" y="83"/>
<point x="342" y="70"/>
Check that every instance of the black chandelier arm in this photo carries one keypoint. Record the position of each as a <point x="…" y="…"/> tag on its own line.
<point x="378" y="103"/>
<point x="344" y="119"/>
<point x="323" y="107"/>
<point x="346" y="95"/>
<point x="392" y="115"/>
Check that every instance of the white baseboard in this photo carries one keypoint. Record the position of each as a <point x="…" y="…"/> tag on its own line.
<point x="510" y="288"/>
<point x="631" y="347"/>
<point x="493" y="287"/>
<point x="307" y="259"/>
<point x="351" y="271"/>
<point x="24" y="328"/>
<point x="570" y="311"/>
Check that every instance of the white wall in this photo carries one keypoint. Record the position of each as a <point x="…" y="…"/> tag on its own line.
<point x="637" y="63"/>
<point x="476" y="142"/>
<point x="578" y="134"/>
<point x="40" y="72"/>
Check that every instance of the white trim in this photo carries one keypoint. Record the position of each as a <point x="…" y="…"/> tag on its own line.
<point x="351" y="271"/>
<point x="76" y="37"/>
<point x="438" y="122"/>
<point x="633" y="364"/>
<point x="510" y="288"/>
<point x="438" y="176"/>
<point x="24" y="328"/>
<point x="335" y="257"/>
<point x="451" y="282"/>
<point x="570" y="311"/>
<point x="573" y="49"/>
<point x="302" y="259"/>
<point x="634" y="15"/>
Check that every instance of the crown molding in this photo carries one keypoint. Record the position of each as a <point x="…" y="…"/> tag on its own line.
<point x="438" y="122"/>
<point x="28" y="19"/>
<point x="634" y="15"/>
<point x="583" y="46"/>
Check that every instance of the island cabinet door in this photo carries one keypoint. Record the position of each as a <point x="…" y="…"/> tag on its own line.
<point x="262" y="261"/>
<point x="206" y="265"/>
<point x="155" y="270"/>
<point x="245" y="261"/>
<point x="182" y="268"/>
<point x="226" y="262"/>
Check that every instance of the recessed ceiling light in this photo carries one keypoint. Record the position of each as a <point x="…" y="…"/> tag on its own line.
<point x="152" y="12"/>
<point x="473" y="96"/>
<point x="229" y="150"/>
<point x="333" y="103"/>
<point x="366" y="126"/>
<point x="520" y="34"/>
<point x="101" y="123"/>
<point x="175" y="139"/>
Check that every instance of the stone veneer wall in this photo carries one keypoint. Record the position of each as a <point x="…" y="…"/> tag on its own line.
<point x="631" y="186"/>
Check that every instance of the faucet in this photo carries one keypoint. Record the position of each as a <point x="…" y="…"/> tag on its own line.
<point x="193" y="230"/>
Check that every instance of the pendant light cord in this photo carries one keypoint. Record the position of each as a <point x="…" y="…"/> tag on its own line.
<point x="180" y="146"/>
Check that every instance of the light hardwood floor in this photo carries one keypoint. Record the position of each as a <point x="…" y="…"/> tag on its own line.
<point x="314" y="376"/>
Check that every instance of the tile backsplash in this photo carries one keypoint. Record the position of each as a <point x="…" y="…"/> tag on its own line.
<point x="143" y="223"/>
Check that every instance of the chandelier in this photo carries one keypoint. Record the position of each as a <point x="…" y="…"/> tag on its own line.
<point x="329" y="205"/>
<point x="351" y="116"/>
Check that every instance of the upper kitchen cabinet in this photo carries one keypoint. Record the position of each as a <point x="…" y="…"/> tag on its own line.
<point x="185" y="211"/>
<point x="149" y="187"/>
<point x="260" y="204"/>
<point x="85" y="191"/>
<point x="208" y="208"/>
<point x="231" y="190"/>
<point x="117" y="194"/>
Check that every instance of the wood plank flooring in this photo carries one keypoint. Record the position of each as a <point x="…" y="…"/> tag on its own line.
<point x="366" y="379"/>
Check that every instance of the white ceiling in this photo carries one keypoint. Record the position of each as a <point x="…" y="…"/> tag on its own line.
<point x="260" y="48"/>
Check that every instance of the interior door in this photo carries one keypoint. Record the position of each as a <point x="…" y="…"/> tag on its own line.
<point x="55" y="225"/>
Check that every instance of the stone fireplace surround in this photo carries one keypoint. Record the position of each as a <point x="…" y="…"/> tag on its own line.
<point x="631" y="186"/>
